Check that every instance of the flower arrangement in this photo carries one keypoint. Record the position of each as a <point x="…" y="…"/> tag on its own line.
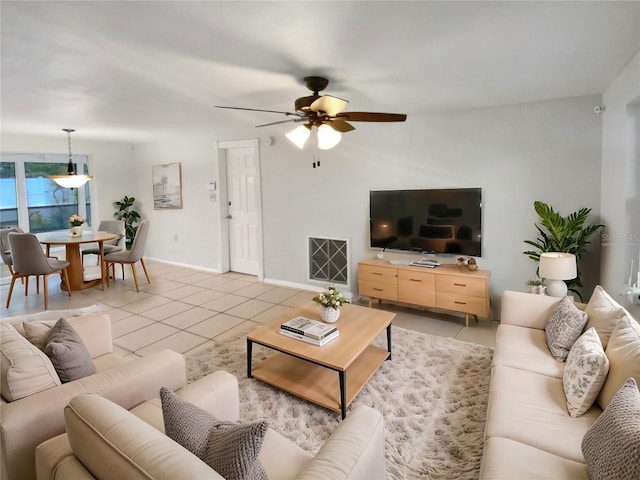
<point x="330" y="297"/>
<point x="76" y="220"/>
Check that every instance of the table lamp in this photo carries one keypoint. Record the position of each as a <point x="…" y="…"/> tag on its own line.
<point x="556" y="267"/>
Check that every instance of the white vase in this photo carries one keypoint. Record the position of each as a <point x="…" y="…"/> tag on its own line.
<point x="76" y="231"/>
<point x="329" y="314"/>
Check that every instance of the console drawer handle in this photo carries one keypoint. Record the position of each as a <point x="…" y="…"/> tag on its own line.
<point x="460" y="303"/>
<point x="415" y="280"/>
<point x="378" y="290"/>
<point x="376" y="273"/>
<point x="460" y="284"/>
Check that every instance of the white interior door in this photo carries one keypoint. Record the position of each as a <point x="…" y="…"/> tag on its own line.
<point x="243" y="196"/>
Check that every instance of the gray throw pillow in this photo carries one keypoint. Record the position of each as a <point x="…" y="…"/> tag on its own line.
<point x="231" y="449"/>
<point x="611" y="447"/>
<point x="68" y="353"/>
<point x="564" y="327"/>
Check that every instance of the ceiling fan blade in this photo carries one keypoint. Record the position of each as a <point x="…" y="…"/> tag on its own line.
<point x="329" y="105"/>
<point x="372" y="117"/>
<point x="339" y="125"/>
<point x="282" y="121"/>
<point x="289" y="114"/>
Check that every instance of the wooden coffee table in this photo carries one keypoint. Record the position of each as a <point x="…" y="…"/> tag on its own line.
<point x="308" y="371"/>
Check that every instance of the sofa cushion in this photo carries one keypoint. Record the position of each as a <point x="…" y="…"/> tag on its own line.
<point x="532" y="409"/>
<point x="113" y="443"/>
<point x="603" y="313"/>
<point x="564" y="327"/>
<point x="623" y="352"/>
<point x="525" y="348"/>
<point x="611" y="447"/>
<point x="68" y="353"/>
<point x="24" y="369"/>
<point x="585" y="373"/>
<point x="507" y="459"/>
<point x="231" y="449"/>
<point x="37" y="332"/>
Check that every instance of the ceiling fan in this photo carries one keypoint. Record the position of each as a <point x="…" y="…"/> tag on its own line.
<point x="325" y="113"/>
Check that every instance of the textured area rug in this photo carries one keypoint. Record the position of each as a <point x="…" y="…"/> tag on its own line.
<point x="433" y="395"/>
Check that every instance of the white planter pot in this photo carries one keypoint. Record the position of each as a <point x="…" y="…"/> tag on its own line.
<point x="329" y="315"/>
<point x="76" y="231"/>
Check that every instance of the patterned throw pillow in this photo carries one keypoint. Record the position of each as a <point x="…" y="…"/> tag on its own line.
<point x="585" y="373"/>
<point x="611" y="446"/>
<point x="564" y="327"/>
<point x="231" y="449"/>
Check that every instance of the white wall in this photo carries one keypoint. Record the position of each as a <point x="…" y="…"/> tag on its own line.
<point x="547" y="151"/>
<point x="620" y="159"/>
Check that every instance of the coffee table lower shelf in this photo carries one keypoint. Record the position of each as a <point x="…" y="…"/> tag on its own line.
<point x="319" y="384"/>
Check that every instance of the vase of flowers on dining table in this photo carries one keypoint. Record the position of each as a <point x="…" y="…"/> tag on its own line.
<point x="76" y="221"/>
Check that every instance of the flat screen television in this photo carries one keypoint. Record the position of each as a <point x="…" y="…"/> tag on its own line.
<point x="435" y="220"/>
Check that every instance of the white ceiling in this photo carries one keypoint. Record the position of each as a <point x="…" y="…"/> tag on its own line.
<point x="138" y="71"/>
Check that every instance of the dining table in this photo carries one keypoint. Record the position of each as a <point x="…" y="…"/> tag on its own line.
<point x="75" y="269"/>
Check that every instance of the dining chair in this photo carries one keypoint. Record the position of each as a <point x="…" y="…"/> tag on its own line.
<point x="109" y="246"/>
<point x="131" y="256"/>
<point x="29" y="259"/>
<point x="5" y="249"/>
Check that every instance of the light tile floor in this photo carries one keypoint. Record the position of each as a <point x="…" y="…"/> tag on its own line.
<point x="184" y="309"/>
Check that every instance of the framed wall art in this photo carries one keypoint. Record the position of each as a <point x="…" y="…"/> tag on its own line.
<point x="167" y="186"/>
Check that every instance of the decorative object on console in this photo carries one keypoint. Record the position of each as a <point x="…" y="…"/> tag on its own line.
<point x="557" y="267"/>
<point x="76" y="222"/>
<point x="71" y="179"/>
<point x="562" y="234"/>
<point x="330" y="299"/>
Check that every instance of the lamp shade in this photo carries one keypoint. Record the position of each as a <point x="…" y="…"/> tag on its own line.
<point x="327" y="137"/>
<point x="70" y="181"/>
<point x="299" y="135"/>
<point x="558" y="266"/>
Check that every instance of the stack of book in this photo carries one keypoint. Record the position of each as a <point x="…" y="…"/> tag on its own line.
<point x="310" y="331"/>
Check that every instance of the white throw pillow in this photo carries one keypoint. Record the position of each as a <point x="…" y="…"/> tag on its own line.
<point x="603" y="314"/>
<point x="623" y="352"/>
<point x="24" y="369"/>
<point x="585" y="373"/>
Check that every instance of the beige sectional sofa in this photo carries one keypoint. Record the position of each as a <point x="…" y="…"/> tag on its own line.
<point x="529" y="432"/>
<point x="107" y="442"/>
<point x="28" y="421"/>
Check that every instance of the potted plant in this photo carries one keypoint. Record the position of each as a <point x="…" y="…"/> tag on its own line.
<point x="562" y="234"/>
<point x="76" y="221"/>
<point x="330" y="299"/>
<point x="537" y="286"/>
<point x="130" y="217"/>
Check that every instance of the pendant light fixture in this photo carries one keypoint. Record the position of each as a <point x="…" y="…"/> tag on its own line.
<point x="71" y="179"/>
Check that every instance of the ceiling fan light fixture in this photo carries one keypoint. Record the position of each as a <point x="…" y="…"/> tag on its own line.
<point x="327" y="137"/>
<point x="299" y="136"/>
<point x="71" y="179"/>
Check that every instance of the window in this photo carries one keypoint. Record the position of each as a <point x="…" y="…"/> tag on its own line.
<point x="34" y="202"/>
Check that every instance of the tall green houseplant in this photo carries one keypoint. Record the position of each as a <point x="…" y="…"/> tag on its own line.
<point x="126" y="212"/>
<point x="562" y="234"/>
